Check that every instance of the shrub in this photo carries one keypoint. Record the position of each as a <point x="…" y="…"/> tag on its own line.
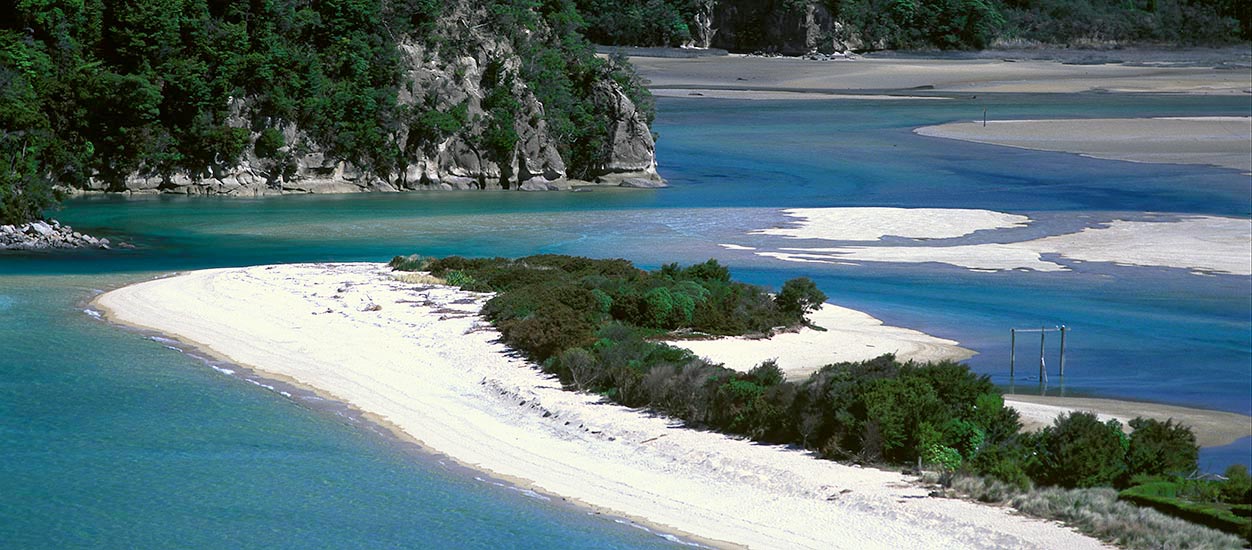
<point x="1161" y="448"/>
<point x="1237" y="489"/>
<point x="1080" y="451"/>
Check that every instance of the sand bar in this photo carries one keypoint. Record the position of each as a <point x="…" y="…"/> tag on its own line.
<point x="874" y="223"/>
<point x="1220" y="141"/>
<point x="424" y="363"/>
<point x="1212" y="428"/>
<point x="1202" y="244"/>
<point x="937" y="75"/>
<point x="850" y="335"/>
<point x="799" y="357"/>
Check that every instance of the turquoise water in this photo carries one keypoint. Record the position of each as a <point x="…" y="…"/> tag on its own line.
<point x="111" y="439"/>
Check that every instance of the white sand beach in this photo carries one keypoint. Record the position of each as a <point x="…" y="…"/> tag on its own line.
<point x="800" y="356"/>
<point x="420" y="360"/>
<point x="1220" y="141"/>
<point x="1202" y="244"/>
<point x="722" y="76"/>
<point x="1212" y="428"/>
<point x="850" y="335"/>
<point x="874" y="223"/>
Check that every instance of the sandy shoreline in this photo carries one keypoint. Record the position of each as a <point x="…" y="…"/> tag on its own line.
<point x="850" y="335"/>
<point x="1219" y="141"/>
<point x="734" y="76"/>
<point x="1201" y="244"/>
<point x="425" y="363"/>
<point x="798" y="357"/>
<point x="1212" y="428"/>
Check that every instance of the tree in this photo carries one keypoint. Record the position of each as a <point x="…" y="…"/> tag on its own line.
<point x="1158" y="448"/>
<point x="1080" y="451"/>
<point x="799" y="296"/>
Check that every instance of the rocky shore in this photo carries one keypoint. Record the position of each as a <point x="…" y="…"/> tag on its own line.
<point x="41" y="235"/>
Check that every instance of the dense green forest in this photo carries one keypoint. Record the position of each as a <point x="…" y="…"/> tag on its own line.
<point x="946" y="24"/>
<point x="598" y="326"/>
<point x="103" y="88"/>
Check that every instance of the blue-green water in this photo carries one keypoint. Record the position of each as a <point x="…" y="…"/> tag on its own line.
<point x="111" y="439"/>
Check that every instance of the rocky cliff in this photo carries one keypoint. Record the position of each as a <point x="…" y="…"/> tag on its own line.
<point x="778" y="26"/>
<point x="452" y="156"/>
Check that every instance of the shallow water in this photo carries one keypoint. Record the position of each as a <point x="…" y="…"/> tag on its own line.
<point x="113" y="439"/>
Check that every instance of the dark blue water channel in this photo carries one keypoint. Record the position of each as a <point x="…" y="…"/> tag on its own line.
<point x="110" y="439"/>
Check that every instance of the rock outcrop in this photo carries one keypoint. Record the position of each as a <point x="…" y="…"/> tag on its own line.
<point x="777" y="26"/>
<point x="40" y="235"/>
<point x="431" y="79"/>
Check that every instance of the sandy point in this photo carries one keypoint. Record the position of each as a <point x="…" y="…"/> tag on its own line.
<point x="419" y="358"/>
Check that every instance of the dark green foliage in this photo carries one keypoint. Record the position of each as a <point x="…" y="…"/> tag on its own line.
<point x="639" y="22"/>
<point x="1080" y="451"/>
<point x="800" y="296"/>
<point x="1153" y="21"/>
<point x="1158" y="448"/>
<point x="562" y="70"/>
<point x="1238" y="486"/>
<point x="268" y="143"/>
<point x="592" y="323"/>
<point x="412" y="262"/>
<point x="907" y="24"/>
<point x="1190" y="500"/>
<point x="104" y="89"/>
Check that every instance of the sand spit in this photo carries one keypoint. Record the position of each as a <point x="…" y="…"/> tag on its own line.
<point x="1203" y="244"/>
<point x="938" y="75"/>
<point x="874" y="223"/>
<point x="1212" y="428"/>
<point x="799" y="354"/>
<point x="1220" y="141"/>
<point x="420" y="359"/>
<point x="850" y="335"/>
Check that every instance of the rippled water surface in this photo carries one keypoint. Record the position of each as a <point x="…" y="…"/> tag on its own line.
<point x="109" y="438"/>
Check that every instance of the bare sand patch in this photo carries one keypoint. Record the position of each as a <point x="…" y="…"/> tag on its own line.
<point x="855" y="336"/>
<point x="1220" y="141"/>
<point x="849" y="335"/>
<point x="424" y="363"/>
<point x="874" y="223"/>
<point x="1212" y="428"/>
<point x="1203" y="244"/>
<point x="939" y="75"/>
<point x="755" y="95"/>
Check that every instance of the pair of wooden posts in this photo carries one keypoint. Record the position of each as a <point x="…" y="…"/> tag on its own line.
<point x="1043" y="332"/>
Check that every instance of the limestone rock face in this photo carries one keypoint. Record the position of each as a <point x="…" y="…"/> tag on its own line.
<point x="633" y="152"/>
<point x="431" y="158"/>
<point x="778" y="26"/>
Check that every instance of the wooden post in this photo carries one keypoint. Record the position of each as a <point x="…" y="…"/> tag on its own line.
<point x="1043" y="372"/>
<point x="1062" y="351"/>
<point x="1012" y="350"/>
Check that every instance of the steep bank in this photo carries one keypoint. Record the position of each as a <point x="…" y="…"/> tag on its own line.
<point x="420" y="359"/>
<point x="257" y="99"/>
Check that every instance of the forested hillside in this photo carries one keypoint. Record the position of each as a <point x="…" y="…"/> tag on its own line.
<point x="909" y="24"/>
<point x="241" y="97"/>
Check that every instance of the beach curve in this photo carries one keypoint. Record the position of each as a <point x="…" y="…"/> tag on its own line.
<point x="420" y="359"/>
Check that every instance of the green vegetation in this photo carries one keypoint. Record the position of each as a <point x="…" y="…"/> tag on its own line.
<point x="637" y="22"/>
<point x="1224" y="505"/>
<point x="945" y="24"/>
<point x="1097" y="512"/>
<point x="596" y="325"/>
<point x="102" y="89"/>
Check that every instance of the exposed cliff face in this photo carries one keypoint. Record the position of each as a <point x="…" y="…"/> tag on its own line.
<point x="777" y="26"/>
<point x="451" y="155"/>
